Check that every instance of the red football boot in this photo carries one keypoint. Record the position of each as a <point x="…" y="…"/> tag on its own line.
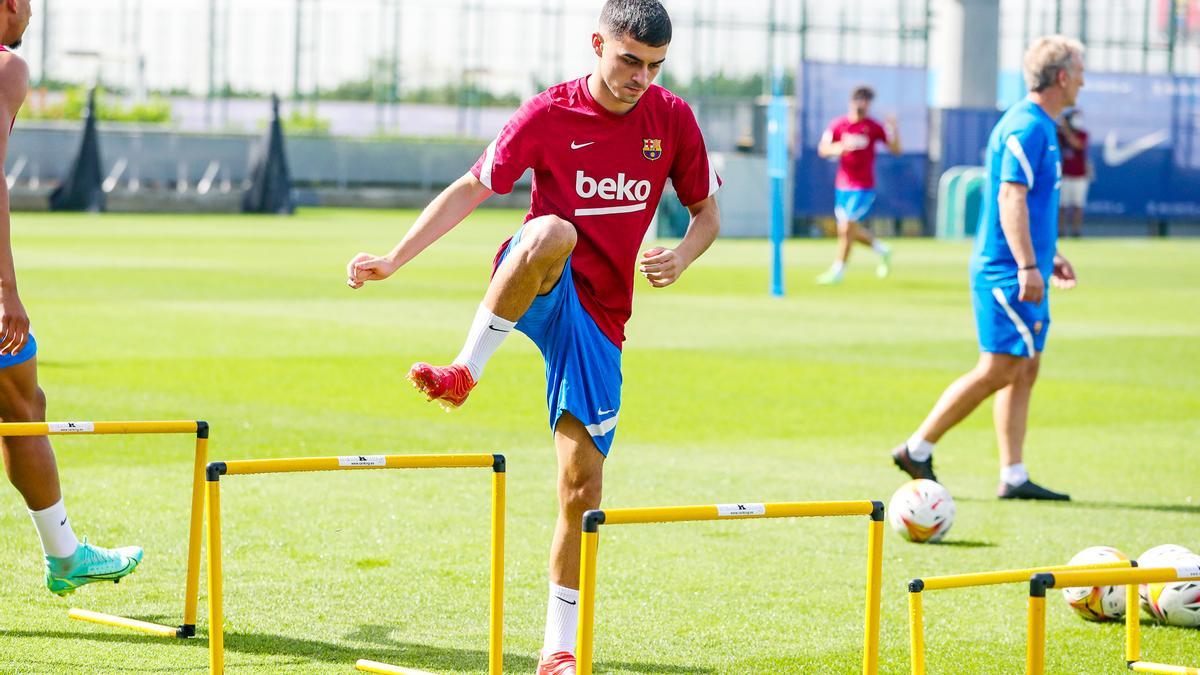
<point x="558" y="663"/>
<point x="448" y="385"/>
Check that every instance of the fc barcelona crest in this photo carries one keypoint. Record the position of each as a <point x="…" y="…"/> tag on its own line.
<point x="652" y="148"/>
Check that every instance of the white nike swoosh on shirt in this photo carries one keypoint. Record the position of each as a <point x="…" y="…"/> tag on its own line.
<point x="1115" y="155"/>
<point x="603" y="412"/>
<point x="576" y="146"/>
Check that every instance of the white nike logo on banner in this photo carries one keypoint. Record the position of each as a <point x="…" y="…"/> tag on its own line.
<point x="576" y="146"/>
<point x="1115" y="155"/>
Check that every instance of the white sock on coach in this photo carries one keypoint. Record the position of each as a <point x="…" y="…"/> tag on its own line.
<point x="58" y="539"/>
<point x="919" y="448"/>
<point x="1014" y="474"/>
<point x="837" y="267"/>
<point x="562" y="620"/>
<point x="879" y="247"/>
<point x="486" y="334"/>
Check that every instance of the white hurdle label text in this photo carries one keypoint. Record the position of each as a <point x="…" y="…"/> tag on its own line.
<point x="72" y="427"/>
<point x="741" y="509"/>
<point x="362" y="460"/>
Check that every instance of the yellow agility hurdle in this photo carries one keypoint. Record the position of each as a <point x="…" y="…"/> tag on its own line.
<point x="592" y="520"/>
<point x="1035" y="656"/>
<point x="192" y="585"/>
<point x="214" y="471"/>
<point x="916" y="617"/>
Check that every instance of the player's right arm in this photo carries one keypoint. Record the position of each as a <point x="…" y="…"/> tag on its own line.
<point x="515" y="149"/>
<point x="1023" y="149"/>
<point x="446" y="211"/>
<point x="829" y="147"/>
<point x="1014" y="220"/>
<point x="14" y="321"/>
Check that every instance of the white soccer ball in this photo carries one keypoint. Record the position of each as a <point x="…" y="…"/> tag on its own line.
<point x="1159" y="556"/>
<point x="1097" y="603"/>
<point x="921" y="511"/>
<point x="1176" y="603"/>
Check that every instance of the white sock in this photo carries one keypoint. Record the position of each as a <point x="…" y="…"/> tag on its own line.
<point x="562" y="619"/>
<point x="486" y="334"/>
<point x="919" y="448"/>
<point x="1014" y="474"/>
<point x="879" y="247"/>
<point x="837" y="267"/>
<point x="58" y="539"/>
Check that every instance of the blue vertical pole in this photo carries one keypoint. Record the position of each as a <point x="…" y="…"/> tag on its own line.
<point x="777" y="160"/>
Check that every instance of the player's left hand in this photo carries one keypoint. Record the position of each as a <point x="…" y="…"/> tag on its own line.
<point x="662" y="266"/>
<point x="14" y="325"/>
<point x="1064" y="274"/>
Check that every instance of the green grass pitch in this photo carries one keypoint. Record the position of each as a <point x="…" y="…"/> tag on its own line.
<point x="730" y="395"/>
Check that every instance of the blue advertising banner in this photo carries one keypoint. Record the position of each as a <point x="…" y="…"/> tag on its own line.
<point x="823" y="94"/>
<point x="1144" y="143"/>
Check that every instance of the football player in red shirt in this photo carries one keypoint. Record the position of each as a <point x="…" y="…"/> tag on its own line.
<point x="601" y="148"/>
<point x="29" y="460"/>
<point x="851" y="139"/>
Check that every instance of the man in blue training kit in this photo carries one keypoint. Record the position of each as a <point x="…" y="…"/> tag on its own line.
<point x="29" y="460"/>
<point x="1015" y="252"/>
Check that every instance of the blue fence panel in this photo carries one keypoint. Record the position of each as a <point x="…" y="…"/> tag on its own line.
<point x="1144" y="144"/>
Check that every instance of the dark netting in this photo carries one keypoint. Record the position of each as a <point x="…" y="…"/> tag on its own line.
<point x="270" y="180"/>
<point x="81" y="188"/>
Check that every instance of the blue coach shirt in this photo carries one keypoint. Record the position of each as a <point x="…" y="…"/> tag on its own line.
<point x="1023" y="148"/>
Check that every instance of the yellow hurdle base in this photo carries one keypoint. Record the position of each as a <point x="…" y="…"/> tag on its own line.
<point x="122" y="622"/>
<point x="1162" y="668"/>
<point x="368" y="666"/>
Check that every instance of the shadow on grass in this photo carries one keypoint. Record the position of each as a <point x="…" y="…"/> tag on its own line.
<point x="965" y="543"/>
<point x="1113" y="506"/>
<point x="385" y="649"/>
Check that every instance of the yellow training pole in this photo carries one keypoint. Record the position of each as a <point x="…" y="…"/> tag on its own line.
<point x="356" y="462"/>
<point x="587" y="602"/>
<point x="101" y="428"/>
<point x="1162" y="669"/>
<point x="216" y="614"/>
<point x="675" y="514"/>
<point x="1035" y="654"/>
<point x="1009" y="576"/>
<point x="916" y="633"/>
<point x="874" y="591"/>
<point x="496" y="630"/>
<point x="191" y="592"/>
<point x="122" y="622"/>
<point x="1133" y="627"/>
<point x="369" y="666"/>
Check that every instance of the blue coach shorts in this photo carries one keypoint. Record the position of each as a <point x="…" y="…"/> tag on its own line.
<point x="852" y="205"/>
<point x="583" y="367"/>
<point x="27" y="352"/>
<point x="1007" y="325"/>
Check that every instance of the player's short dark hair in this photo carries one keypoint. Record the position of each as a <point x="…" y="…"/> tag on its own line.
<point x="862" y="92"/>
<point x="643" y="20"/>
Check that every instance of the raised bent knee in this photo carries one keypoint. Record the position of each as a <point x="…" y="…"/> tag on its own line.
<point x="550" y="236"/>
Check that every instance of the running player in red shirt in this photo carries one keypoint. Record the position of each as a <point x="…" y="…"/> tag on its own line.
<point x="852" y="138"/>
<point x="29" y="460"/>
<point x="601" y="149"/>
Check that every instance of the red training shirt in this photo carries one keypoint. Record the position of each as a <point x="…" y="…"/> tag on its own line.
<point x="1074" y="162"/>
<point x="856" y="166"/>
<point x="604" y="173"/>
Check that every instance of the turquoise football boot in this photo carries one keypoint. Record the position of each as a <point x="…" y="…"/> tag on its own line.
<point x="90" y="564"/>
<point x="884" y="268"/>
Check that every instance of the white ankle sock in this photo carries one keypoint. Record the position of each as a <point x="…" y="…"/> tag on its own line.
<point x="879" y="247"/>
<point x="919" y="448"/>
<point x="58" y="539"/>
<point x="837" y="267"/>
<point x="1014" y="474"/>
<point x="562" y="619"/>
<point x="486" y="334"/>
